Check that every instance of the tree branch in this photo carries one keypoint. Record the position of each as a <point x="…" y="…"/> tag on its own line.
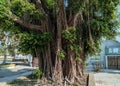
<point x="26" y="25"/>
<point x="73" y="21"/>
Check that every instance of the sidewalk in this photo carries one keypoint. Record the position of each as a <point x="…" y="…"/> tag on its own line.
<point x="107" y="78"/>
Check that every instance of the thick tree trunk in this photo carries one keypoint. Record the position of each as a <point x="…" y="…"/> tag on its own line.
<point x="61" y="24"/>
<point x="70" y="67"/>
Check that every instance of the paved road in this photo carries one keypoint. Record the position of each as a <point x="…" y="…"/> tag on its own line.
<point x="13" y="73"/>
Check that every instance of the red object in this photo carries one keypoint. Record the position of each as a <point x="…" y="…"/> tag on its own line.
<point x="35" y="62"/>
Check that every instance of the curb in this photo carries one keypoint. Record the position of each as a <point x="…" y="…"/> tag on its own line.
<point x="91" y="80"/>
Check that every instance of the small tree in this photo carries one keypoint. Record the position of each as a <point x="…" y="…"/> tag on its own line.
<point x="9" y="43"/>
<point x="2" y="51"/>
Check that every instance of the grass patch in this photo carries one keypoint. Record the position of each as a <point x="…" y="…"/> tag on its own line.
<point x="6" y="59"/>
<point x="7" y="65"/>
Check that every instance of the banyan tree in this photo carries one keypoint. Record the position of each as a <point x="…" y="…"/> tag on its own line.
<point x="61" y="33"/>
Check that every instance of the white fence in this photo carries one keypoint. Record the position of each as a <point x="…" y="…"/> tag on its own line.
<point x="24" y="57"/>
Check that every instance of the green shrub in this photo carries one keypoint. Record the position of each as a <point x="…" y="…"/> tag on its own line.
<point x="38" y="73"/>
<point x="75" y="84"/>
<point x="97" y="70"/>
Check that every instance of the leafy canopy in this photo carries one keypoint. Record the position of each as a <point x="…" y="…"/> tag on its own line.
<point x="96" y="19"/>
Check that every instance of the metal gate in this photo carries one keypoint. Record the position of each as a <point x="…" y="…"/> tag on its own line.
<point x="113" y="62"/>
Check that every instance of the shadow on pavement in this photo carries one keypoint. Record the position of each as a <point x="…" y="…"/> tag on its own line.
<point x="7" y="75"/>
<point x="22" y="82"/>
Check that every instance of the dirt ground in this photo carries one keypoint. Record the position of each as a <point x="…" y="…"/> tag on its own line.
<point x="24" y="81"/>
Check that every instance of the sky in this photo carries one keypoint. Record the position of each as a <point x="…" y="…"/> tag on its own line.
<point x="118" y="38"/>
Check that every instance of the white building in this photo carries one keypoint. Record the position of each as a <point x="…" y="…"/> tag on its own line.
<point x="110" y="55"/>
